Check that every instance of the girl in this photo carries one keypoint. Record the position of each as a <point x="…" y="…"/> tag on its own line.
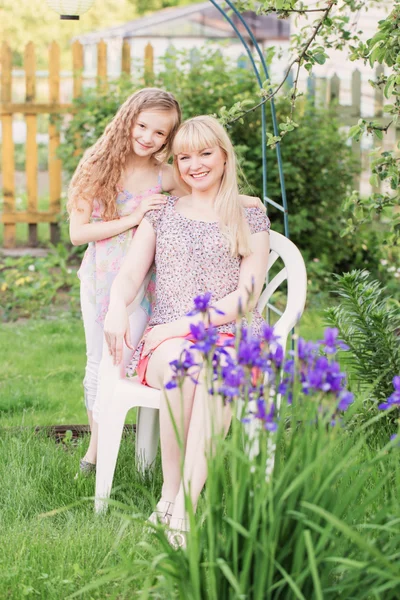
<point x="203" y="241"/>
<point x="118" y="180"/>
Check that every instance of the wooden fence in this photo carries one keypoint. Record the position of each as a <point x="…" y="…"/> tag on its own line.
<point x="30" y="109"/>
<point x="327" y="92"/>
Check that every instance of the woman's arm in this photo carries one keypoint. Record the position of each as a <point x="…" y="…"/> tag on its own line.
<point x="81" y="231"/>
<point x="252" y="277"/>
<point x="126" y="286"/>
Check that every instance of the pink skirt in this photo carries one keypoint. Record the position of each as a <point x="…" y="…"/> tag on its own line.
<point x="143" y="361"/>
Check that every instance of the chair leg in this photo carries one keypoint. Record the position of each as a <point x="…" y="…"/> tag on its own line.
<point x="111" y="426"/>
<point x="147" y="436"/>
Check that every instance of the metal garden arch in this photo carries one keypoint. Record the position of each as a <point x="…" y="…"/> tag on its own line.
<point x="282" y="207"/>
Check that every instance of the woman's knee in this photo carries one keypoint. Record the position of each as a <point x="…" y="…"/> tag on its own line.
<point x="167" y="353"/>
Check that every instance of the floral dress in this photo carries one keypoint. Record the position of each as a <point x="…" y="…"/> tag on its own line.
<point x="192" y="258"/>
<point x="103" y="259"/>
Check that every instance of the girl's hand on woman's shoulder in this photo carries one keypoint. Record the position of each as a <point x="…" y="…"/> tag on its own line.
<point x="153" y="202"/>
<point x="252" y="202"/>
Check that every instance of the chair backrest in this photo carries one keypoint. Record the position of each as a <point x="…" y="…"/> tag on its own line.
<point x="294" y="271"/>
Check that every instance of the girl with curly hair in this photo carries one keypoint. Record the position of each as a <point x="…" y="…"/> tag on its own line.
<point x="119" y="179"/>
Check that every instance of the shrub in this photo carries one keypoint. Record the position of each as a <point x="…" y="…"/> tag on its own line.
<point x="370" y="325"/>
<point x="35" y="286"/>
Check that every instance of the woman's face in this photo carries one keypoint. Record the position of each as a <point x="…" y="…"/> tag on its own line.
<point x="151" y="130"/>
<point x="202" y="169"/>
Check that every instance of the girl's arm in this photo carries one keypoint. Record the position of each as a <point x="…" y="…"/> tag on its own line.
<point x="252" y="202"/>
<point x="126" y="286"/>
<point x="170" y="184"/>
<point x="252" y="277"/>
<point x="81" y="231"/>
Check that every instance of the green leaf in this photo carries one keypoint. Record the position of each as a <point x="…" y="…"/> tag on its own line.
<point x="374" y="180"/>
<point x="229" y="575"/>
<point x="320" y="58"/>
<point x="313" y="565"/>
<point x="389" y="87"/>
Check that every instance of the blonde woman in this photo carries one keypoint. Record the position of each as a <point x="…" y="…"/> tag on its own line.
<point x="204" y="241"/>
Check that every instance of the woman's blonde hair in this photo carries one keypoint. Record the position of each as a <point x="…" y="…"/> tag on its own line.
<point x="100" y="169"/>
<point x="206" y="132"/>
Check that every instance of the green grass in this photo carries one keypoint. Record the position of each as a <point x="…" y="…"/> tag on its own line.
<point x="41" y="371"/>
<point x="50" y="554"/>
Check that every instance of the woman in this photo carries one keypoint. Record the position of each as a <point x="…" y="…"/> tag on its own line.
<point x="202" y="242"/>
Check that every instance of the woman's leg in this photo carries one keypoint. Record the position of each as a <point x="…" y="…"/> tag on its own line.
<point x="209" y="417"/>
<point x="180" y="406"/>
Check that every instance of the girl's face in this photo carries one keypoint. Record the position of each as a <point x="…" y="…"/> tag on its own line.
<point x="202" y="169"/>
<point x="151" y="130"/>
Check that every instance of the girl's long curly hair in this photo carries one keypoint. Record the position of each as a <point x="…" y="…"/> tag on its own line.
<point x="100" y="169"/>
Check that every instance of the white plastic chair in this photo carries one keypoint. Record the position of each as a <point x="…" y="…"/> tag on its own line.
<point x="118" y="394"/>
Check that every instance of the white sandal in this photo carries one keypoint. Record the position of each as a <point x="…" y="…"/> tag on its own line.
<point x="162" y="514"/>
<point x="177" y="536"/>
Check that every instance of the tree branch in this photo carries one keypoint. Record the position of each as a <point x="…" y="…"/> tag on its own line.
<point x="298" y="60"/>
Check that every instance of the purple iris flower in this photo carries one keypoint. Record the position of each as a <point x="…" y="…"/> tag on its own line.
<point x="202" y="304"/>
<point x="205" y="337"/>
<point x="345" y="399"/>
<point x="267" y="333"/>
<point x="394" y="399"/>
<point x="234" y="378"/>
<point x="332" y="344"/>
<point x="180" y="369"/>
<point x="306" y="350"/>
<point x="277" y="355"/>
<point x="267" y="417"/>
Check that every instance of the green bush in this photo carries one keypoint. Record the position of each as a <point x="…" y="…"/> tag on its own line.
<point x="32" y="286"/>
<point x="318" y="165"/>
<point x="369" y="324"/>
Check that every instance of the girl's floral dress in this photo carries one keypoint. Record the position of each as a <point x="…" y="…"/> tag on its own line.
<point x="103" y="259"/>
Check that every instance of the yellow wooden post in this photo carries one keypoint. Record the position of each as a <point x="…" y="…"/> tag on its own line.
<point x="102" y="64"/>
<point x="77" y="67"/>
<point x="148" y="64"/>
<point x="8" y="164"/>
<point x="31" y="152"/>
<point x="126" y="58"/>
<point x="54" y="142"/>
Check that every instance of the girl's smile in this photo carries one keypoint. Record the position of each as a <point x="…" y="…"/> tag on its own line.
<point x="151" y="130"/>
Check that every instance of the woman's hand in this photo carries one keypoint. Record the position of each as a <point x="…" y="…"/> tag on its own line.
<point x="252" y="202"/>
<point x="116" y="331"/>
<point x="156" y="335"/>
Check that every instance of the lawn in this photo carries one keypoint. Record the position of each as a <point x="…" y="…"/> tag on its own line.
<point x="45" y="553"/>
